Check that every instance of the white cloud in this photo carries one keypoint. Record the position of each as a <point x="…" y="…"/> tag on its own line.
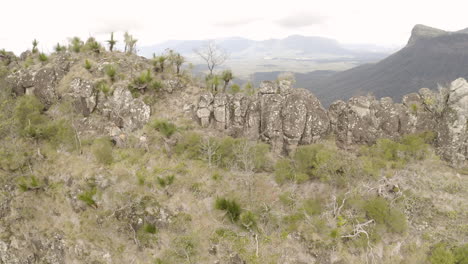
<point x="358" y="21"/>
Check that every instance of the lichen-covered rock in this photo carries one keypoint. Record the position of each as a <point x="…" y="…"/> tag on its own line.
<point x="205" y="108"/>
<point x="84" y="95"/>
<point x="452" y="137"/>
<point x="122" y="109"/>
<point x="283" y="117"/>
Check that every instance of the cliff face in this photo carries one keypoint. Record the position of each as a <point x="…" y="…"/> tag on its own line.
<point x="286" y="117"/>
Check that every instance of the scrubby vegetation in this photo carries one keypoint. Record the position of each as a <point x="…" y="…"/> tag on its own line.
<point x="172" y="192"/>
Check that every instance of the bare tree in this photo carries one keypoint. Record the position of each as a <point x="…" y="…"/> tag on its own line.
<point x="212" y="54"/>
<point x="209" y="148"/>
<point x="130" y="43"/>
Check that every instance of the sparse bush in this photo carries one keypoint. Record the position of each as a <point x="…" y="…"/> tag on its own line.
<point x="29" y="183"/>
<point x="232" y="208"/>
<point x="461" y="254"/>
<point x="76" y="44"/>
<point x="59" y="48"/>
<point x="188" y="145"/>
<point x="150" y="228"/>
<point x="88" y="197"/>
<point x="164" y="127"/>
<point x="235" y="88"/>
<point x="379" y="210"/>
<point x="43" y="57"/>
<point x="93" y="45"/>
<point x="284" y="171"/>
<point x="248" y="220"/>
<point x="87" y="65"/>
<point x="387" y="153"/>
<point x="166" y="181"/>
<point x="111" y="71"/>
<point x="104" y="87"/>
<point x="34" y="48"/>
<point x="441" y="254"/>
<point x="102" y="150"/>
<point x="312" y="206"/>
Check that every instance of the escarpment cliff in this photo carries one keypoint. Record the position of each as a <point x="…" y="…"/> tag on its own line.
<point x="286" y="117"/>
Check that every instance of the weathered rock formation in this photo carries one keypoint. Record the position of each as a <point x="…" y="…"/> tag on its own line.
<point x="278" y="114"/>
<point x="287" y="117"/>
<point x="64" y="78"/>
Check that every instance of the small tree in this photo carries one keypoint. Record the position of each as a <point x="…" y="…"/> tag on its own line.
<point x="111" y="42"/>
<point x="213" y="55"/>
<point x="93" y="45"/>
<point x="130" y="43"/>
<point x="76" y="44"/>
<point x="59" y="48"/>
<point x="209" y="150"/>
<point x="35" y="43"/>
<point x="176" y="59"/>
<point x="227" y="77"/>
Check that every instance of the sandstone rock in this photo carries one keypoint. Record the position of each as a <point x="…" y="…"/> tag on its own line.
<point x="452" y="140"/>
<point x="85" y="96"/>
<point x="205" y="108"/>
<point x="282" y="119"/>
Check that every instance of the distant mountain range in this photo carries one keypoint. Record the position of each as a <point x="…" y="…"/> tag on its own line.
<point x="432" y="57"/>
<point x="292" y="47"/>
<point x="295" y="53"/>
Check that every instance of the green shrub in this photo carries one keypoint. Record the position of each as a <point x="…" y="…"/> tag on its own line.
<point x="87" y="65"/>
<point x="93" y="45"/>
<point x="150" y="228"/>
<point x="248" y="220"/>
<point x="378" y="209"/>
<point x="312" y="206"/>
<point x="284" y="170"/>
<point x="59" y="48"/>
<point x="87" y="197"/>
<point x="111" y="71"/>
<point x="43" y="57"/>
<point x="189" y="145"/>
<point x="232" y="208"/>
<point x="104" y="88"/>
<point x="102" y="150"/>
<point x="165" y="181"/>
<point x="29" y="183"/>
<point x="440" y="254"/>
<point x="76" y="44"/>
<point x="387" y="153"/>
<point x="156" y="85"/>
<point x="164" y="127"/>
<point x="309" y="159"/>
<point x="235" y="89"/>
<point x="461" y="254"/>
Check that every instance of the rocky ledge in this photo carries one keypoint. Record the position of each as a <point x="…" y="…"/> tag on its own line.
<point x="286" y="117"/>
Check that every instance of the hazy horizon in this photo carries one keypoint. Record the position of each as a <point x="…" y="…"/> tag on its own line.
<point x="356" y="22"/>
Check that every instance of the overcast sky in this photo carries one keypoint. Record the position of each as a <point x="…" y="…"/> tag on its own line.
<point x="386" y="23"/>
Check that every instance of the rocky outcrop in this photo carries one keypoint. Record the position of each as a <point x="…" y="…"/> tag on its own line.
<point x="62" y="77"/>
<point x="286" y="117"/>
<point x="278" y="114"/>
<point x="452" y="127"/>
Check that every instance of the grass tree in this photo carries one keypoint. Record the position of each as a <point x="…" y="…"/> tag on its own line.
<point x="111" y="42"/>
<point x="130" y="43"/>
<point x="176" y="59"/>
<point x="59" y="48"/>
<point x="227" y="76"/>
<point x="76" y="44"/>
<point x="34" y="48"/>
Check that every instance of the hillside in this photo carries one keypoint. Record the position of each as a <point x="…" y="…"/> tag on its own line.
<point x="109" y="157"/>
<point x="432" y="57"/>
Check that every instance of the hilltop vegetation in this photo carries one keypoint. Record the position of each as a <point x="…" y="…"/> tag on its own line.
<point x="84" y="179"/>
